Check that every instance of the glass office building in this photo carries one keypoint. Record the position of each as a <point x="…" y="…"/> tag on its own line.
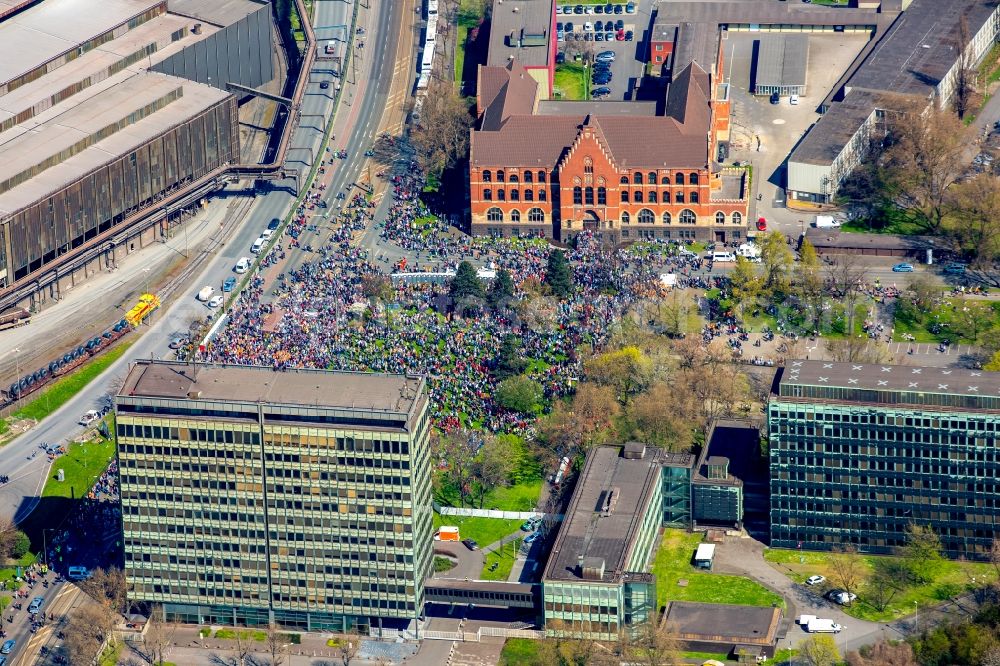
<point x="859" y="451"/>
<point x="252" y="496"/>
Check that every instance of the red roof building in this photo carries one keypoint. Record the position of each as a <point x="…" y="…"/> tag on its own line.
<point x="619" y="169"/>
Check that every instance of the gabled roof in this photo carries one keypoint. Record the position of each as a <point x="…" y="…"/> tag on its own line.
<point x="524" y="141"/>
<point x="506" y="91"/>
<point x="688" y="99"/>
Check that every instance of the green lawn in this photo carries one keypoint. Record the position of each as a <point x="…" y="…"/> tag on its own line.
<point x="83" y="463"/>
<point x="518" y="497"/>
<point x="483" y="530"/>
<point x="521" y="652"/>
<point x="468" y="18"/>
<point x="442" y="564"/>
<point x="704" y="656"/>
<point x="505" y="559"/>
<point x="571" y="82"/>
<point x="944" y="322"/>
<point x="673" y="564"/>
<point x="954" y="578"/>
<point x="55" y="395"/>
<point x="230" y="634"/>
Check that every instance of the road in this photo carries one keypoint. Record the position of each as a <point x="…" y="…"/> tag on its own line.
<point x="18" y="497"/>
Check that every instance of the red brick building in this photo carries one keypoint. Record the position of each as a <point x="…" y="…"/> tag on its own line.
<point x="616" y="168"/>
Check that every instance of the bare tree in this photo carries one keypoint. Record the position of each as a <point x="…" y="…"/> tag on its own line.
<point x="848" y="569"/>
<point x="84" y="634"/>
<point x="157" y="638"/>
<point x="656" y="643"/>
<point x="277" y="645"/>
<point x="965" y="77"/>
<point x="888" y="579"/>
<point x="109" y="588"/>
<point x="883" y="653"/>
<point x="347" y="648"/>
<point x="442" y="135"/>
<point x="242" y="647"/>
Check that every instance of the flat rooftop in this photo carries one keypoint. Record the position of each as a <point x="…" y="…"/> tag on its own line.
<point x="782" y="60"/>
<point x="723" y="623"/>
<point x="511" y="21"/>
<point x="586" y="532"/>
<point x="396" y="394"/>
<point x="11" y="6"/>
<point x="55" y="130"/>
<point x="885" y="378"/>
<point x="835" y="239"/>
<point x="53" y="27"/>
<point x="921" y="46"/>
<point x="218" y="12"/>
<point x="550" y="107"/>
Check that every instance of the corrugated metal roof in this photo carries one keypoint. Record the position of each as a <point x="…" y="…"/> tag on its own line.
<point x="782" y="60"/>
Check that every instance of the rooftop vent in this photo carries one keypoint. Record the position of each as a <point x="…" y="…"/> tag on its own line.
<point x="634" y="451"/>
<point x="196" y="28"/>
<point x="592" y="568"/>
<point x="194" y="395"/>
<point x="610" y="501"/>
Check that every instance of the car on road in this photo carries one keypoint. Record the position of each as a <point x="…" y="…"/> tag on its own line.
<point x="8" y="646"/>
<point x="815" y="580"/>
<point x="471" y="544"/>
<point x="955" y="268"/>
<point x="206" y="293"/>
<point x="902" y="268"/>
<point x="533" y="537"/>
<point x="3" y="661"/>
<point x="36" y="604"/>
<point x="179" y="340"/>
<point x="215" y="301"/>
<point x="323" y="85"/>
<point x="243" y="265"/>
<point x="229" y="284"/>
<point x="841" y="597"/>
<point x="89" y="417"/>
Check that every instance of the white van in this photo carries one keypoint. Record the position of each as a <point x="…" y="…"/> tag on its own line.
<point x="826" y="222"/>
<point x="243" y="265"/>
<point x="266" y="234"/>
<point x="257" y="245"/>
<point x="718" y="257"/>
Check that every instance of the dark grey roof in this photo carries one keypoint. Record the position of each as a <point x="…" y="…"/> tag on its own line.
<point x="782" y="59"/>
<point x="835" y="239"/>
<point x="879" y="377"/>
<point x="586" y="532"/>
<point x="921" y="46"/>
<point x="515" y="29"/>
<point x="723" y="623"/>
<point x="834" y="130"/>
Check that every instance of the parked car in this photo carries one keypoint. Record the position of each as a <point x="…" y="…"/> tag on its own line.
<point x="619" y="24"/>
<point x="815" y="580"/>
<point x="531" y="524"/>
<point x="629" y="35"/>
<point x="902" y="268"/>
<point x="609" y="8"/>
<point x="602" y="91"/>
<point x="471" y="544"/>
<point x="89" y="417"/>
<point x="588" y="27"/>
<point x="630" y="8"/>
<point x="841" y="597"/>
<point x="955" y="268"/>
<point x="229" y="284"/>
<point x="569" y="27"/>
<point x="8" y="646"/>
<point x="599" y="9"/>
<point x="533" y="537"/>
<point x="775" y="98"/>
<point x="243" y="265"/>
<point x="793" y="100"/>
<point x="605" y="56"/>
<point x="620" y="36"/>
<point x="598" y="36"/>
<point x="619" y="9"/>
<point x="602" y="79"/>
<point x="578" y="9"/>
<point x="215" y="301"/>
<point x="599" y="26"/>
<point x="589" y="9"/>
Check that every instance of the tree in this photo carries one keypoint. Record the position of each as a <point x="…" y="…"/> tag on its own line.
<point x="457" y="451"/>
<point x="973" y="319"/>
<point x="277" y="645"/>
<point x="847" y="569"/>
<point x="808" y="284"/>
<point x="653" y="423"/>
<point x="441" y="137"/>
<point x="242" y="647"/>
<point x="494" y="465"/>
<point x="84" y="634"/>
<point x="378" y="289"/>
<point x="776" y="260"/>
<point x="888" y="578"/>
<point x="501" y="292"/>
<point x="746" y="285"/>
<point x="347" y="648"/>
<point x="157" y="638"/>
<point x="922" y="553"/>
<point x="625" y="370"/>
<point x="883" y="653"/>
<point x="583" y="423"/>
<point x="655" y="644"/>
<point x="857" y="349"/>
<point x="466" y="283"/>
<point x="672" y="316"/>
<point x="509" y="362"/>
<point x="965" y="77"/>
<point x="109" y="588"/>
<point x="975" y="226"/>
<point x="9" y="535"/>
<point x="21" y="546"/>
<point x="520" y="394"/>
<point x="559" y="275"/>
<point x="923" y="162"/>
<point x="820" y="650"/>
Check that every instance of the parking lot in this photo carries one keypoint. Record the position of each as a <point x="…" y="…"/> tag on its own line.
<point x="629" y="64"/>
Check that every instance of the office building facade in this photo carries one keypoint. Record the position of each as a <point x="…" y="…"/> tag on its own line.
<point x="251" y="496"/>
<point x="858" y="452"/>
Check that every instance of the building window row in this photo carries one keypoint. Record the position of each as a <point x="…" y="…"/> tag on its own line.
<point x="513" y="177"/>
<point x="514" y="194"/>
<point x="651" y="197"/>
<point x="646" y="216"/>
<point x="585" y="195"/>
<point x="638" y="178"/>
<point x="496" y="215"/>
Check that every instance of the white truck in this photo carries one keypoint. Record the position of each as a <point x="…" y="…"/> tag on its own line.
<point x="826" y="222"/>
<point x="818" y="625"/>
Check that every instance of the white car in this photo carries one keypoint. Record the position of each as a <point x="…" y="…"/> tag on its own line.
<point x="206" y="293"/>
<point x="841" y="597"/>
<point x="815" y="580"/>
<point x="684" y="252"/>
<point x="243" y="265"/>
<point x="215" y="302"/>
<point x="793" y="100"/>
<point x="89" y="417"/>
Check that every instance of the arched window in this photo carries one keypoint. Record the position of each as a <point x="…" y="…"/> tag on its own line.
<point x="513" y="178"/>
<point x="625" y="218"/>
<point x="720" y="218"/>
<point x="541" y="176"/>
<point x="651" y="197"/>
<point x="541" y="195"/>
<point x="488" y="194"/>
<point x="528" y="177"/>
<point x="501" y="195"/>
<point x="651" y="178"/>
<point x="602" y="196"/>
<point x="737" y="218"/>
<point x="678" y="197"/>
<point x="687" y="216"/>
<point x="694" y="197"/>
<point x="646" y="216"/>
<point x="529" y="195"/>
<point x="588" y="196"/>
<point x="624" y="180"/>
<point x="515" y="195"/>
<point x="665" y="180"/>
<point x="515" y="215"/>
<point x="637" y="178"/>
<point x="679" y="178"/>
<point x="494" y="215"/>
<point x="624" y="196"/>
<point x="693" y="179"/>
<point x="578" y="195"/>
<point x="666" y="218"/>
<point x="499" y="176"/>
<point x="536" y="215"/>
<point x="487" y="176"/>
<point x="588" y="165"/>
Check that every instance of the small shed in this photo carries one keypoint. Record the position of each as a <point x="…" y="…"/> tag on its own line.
<point x="780" y="64"/>
<point x="704" y="556"/>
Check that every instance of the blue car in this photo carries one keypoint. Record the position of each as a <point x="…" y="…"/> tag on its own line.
<point x="533" y="537"/>
<point x="902" y="268"/>
<point x="8" y="646"/>
<point x="229" y="284"/>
